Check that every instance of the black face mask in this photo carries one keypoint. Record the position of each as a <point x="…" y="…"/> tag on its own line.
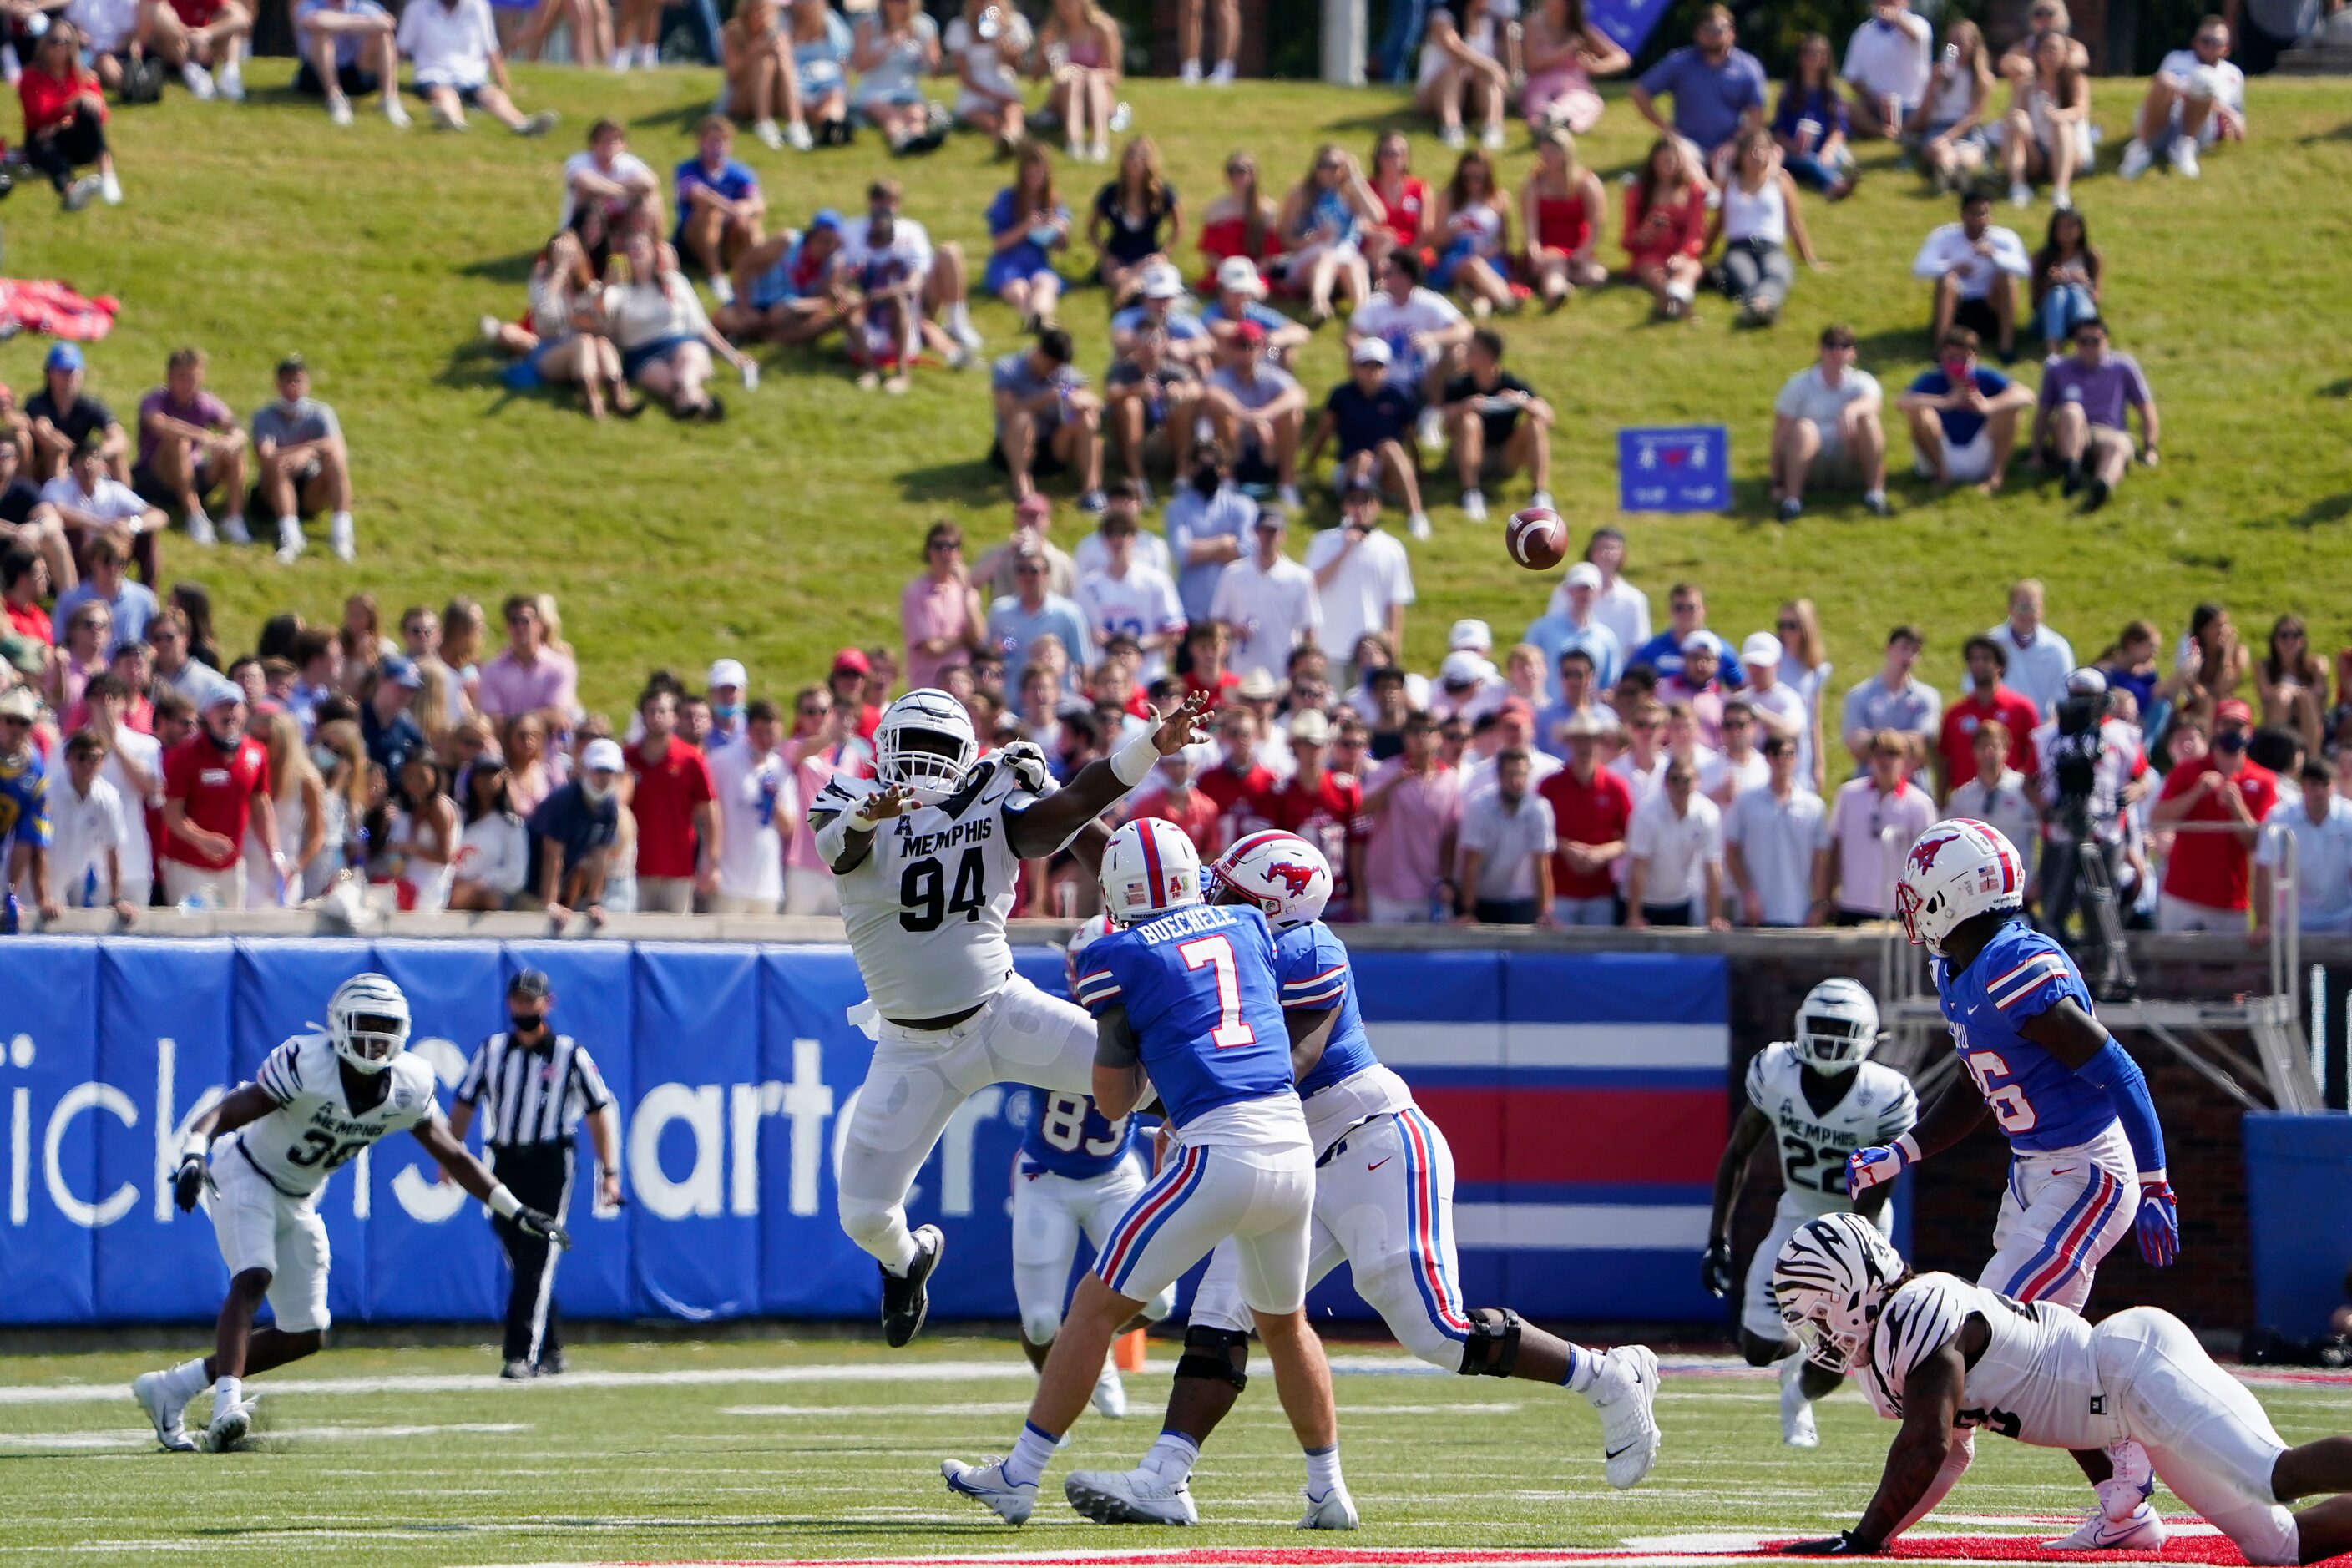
<point x="219" y="745"/>
<point x="1206" y="480"/>
<point x="2230" y="742"/>
<point x="527" y="1023"/>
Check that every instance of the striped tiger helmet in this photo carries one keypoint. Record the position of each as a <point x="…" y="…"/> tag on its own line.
<point x="1831" y="1280"/>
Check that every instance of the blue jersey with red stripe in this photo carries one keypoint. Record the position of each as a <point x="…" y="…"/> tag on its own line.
<point x="1069" y="1136"/>
<point x="1312" y="965"/>
<point x="2040" y="1103"/>
<point x="1199" y="989"/>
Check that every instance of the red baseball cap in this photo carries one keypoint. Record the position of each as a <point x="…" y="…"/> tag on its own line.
<point x="2230" y="709"/>
<point x="1251" y="332"/>
<point x="1518" y="707"/>
<point x="852" y="661"/>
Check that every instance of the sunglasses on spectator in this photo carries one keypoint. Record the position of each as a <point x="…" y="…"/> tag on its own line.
<point x="1682" y="779"/>
<point x="1792" y="624"/>
<point x="1029" y="571"/>
<point x="813" y="711"/>
<point x="1734" y="722"/>
<point x="1642" y="724"/>
<point x="943" y="544"/>
<point x="15" y="721"/>
<point x="1682" y="607"/>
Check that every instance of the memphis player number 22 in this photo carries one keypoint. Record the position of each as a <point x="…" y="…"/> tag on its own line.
<point x="1216" y="954"/>
<point x="926" y="900"/>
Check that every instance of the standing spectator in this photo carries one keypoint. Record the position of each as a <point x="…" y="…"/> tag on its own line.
<point x="1869" y="829"/>
<point x="1719" y="92"/>
<point x="1760" y="223"/>
<point x="1892" y="699"/>
<point x="391" y="734"/>
<point x="2196" y="98"/>
<point x="2205" y="877"/>
<point x="1999" y="794"/>
<point x="1889" y="60"/>
<point x="303" y="465"/>
<point x="454" y="45"/>
<point x="59" y="419"/>
<point x="2081" y="413"/>
<point x="1805" y="669"/>
<point x="1208" y="521"/>
<point x="2066" y="274"/>
<point x="189" y="446"/>
<point x="1464" y="59"/>
<point x="1322" y="221"/>
<point x="1577" y="628"/>
<point x="128" y="605"/>
<point x="87" y="836"/>
<point x="1988" y="702"/>
<point x="1507" y="842"/>
<point x="1947" y="132"/>
<point x="940" y="619"/>
<point x="849" y="679"/>
<point x="1591" y="809"/>
<point x="1026" y="224"/>
<point x="1081" y="50"/>
<point x="1565" y="50"/>
<point x="2320" y="821"/>
<point x="1017" y="621"/>
<point x="988" y="42"/>
<point x="1362" y="579"/>
<point x="1686" y="610"/>
<point x="1826" y="427"/>
<point x="576" y="829"/>
<point x="1737" y="766"/>
<point x="720" y="209"/>
<point x="174" y="670"/>
<point x="1963" y="416"/>
<point x="1047" y="421"/>
<point x="723" y="701"/>
<point x="1129" y="598"/>
<point x="25" y="790"/>
<point x="65" y="122"/>
<point x="755" y="55"/>
<point x="24" y="583"/>
<point x="1425" y="334"/>
<point x="896" y="47"/>
<point x="1695" y="686"/>
<point x="1673" y="869"/>
<point x="1771" y="838"/>
<point x="1665" y="228"/>
<point x="1259" y="412"/>
<point x="1620" y="607"/>
<point x="1413" y="808"/>
<point x="2049" y="128"/>
<point x="1137" y="220"/>
<point x="1975" y="267"/>
<point x="1318" y="803"/>
<point x="1190" y="38"/>
<point x="1373" y="416"/>
<point x="215" y="784"/>
<point x="528" y="675"/>
<point x="1267" y="601"/>
<point x="1172" y="797"/>
<point x="1033" y="523"/>
<point x="1578" y="686"/>
<point x="1810" y="123"/>
<point x="1562" y="209"/>
<point x="1499" y="427"/>
<point x="1239" y="781"/>
<point x="676" y="805"/>
<point x="299" y="795"/>
<point x="2040" y="661"/>
<point x="758" y="803"/>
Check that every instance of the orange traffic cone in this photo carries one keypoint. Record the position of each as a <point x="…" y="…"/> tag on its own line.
<point x="1127" y="1351"/>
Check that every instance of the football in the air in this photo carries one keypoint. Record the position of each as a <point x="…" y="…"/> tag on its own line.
<point x="1536" y="538"/>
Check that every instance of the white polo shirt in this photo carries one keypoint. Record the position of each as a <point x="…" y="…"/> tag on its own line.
<point x="450" y="45"/>
<point x="2037" y="669"/>
<point x="1881" y="58"/>
<point x="1676" y="851"/>
<point x="1776" y="839"/>
<point x="1357" y="599"/>
<point x="2006" y="805"/>
<point x="1270" y="613"/>
<point x="1873" y="832"/>
<point x="82" y="829"/>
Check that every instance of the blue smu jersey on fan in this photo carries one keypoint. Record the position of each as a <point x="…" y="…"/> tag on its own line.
<point x="2040" y="1102"/>
<point x="1312" y="965"/>
<point x="1198" y="986"/>
<point x="1069" y="1136"/>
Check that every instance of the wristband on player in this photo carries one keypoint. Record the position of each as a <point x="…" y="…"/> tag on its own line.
<point x="1133" y="763"/>
<point x="2156" y="1178"/>
<point x="1908" y="1148"/>
<point x="195" y="1146"/>
<point x="503" y="1203"/>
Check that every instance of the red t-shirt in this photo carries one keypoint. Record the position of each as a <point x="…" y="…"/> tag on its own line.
<point x="217" y="790"/>
<point x="1401" y="217"/>
<point x="1197" y="816"/>
<point x="1324" y="816"/>
<point x="1227" y="684"/>
<point x="46" y="98"/>
<point x="1596" y="813"/>
<point x="668" y="792"/>
<point x="2210" y="868"/>
<point x="32" y="621"/>
<point x="1235" y="794"/>
<point x="869" y="719"/>
<point x="1957" y="741"/>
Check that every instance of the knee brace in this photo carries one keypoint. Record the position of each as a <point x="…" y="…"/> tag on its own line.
<point x="1219" y="1355"/>
<point x="1493" y="1348"/>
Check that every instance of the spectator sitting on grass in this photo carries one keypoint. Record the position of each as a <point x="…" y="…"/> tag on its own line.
<point x="1499" y="425"/>
<point x="1461" y="61"/>
<point x="1963" y="416"/>
<point x="756" y="58"/>
<point x="1240" y="297"/>
<point x="880" y="283"/>
<point x="784" y="287"/>
<point x="201" y="39"/>
<point x="1888" y="60"/>
<point x="1026" y="222"/>
<point x="1322" y="224"/>
<point x="986" y="44"/>
<point x="1947" y="132"/>
<point x="2081" y="414"/>
<point x="189" y="447"/>
<point x="667" y="343"/>
<point x="1405" y="207"/>
<point x="1665" y="229"/>
<point x="2066" y="272"/>
<point x="2042" y="16"/>
<point x="564" y="341"/>
<point x="1047" y="421"/>
<point x="303" y="466"/>
<point x="1561" y="210"/>
<point x="1565" y="50"/>
<point x="1162" y="305"/>
<point x="90" y="505"/>
<point x="1826" y="429"/>
<point x="454" y="46"/>
<point x="1425" y="334"/>
<point x="59" y="418"/>
<point x="2196" y="98"/>
<point x="896" y="47"/>
<point x="720" y="209"/>
<point x="609" y="180"/>
<point x="1080" y="51"/>
<point x="1473" y="225"/>
<point x="2048" y="132"/>
<point x="1258" y="412"/>
<point x="942" y="294"/>
<point x="1137" y="221"/>
<point x="1719" y="92"/>
<point x="347" y="52"/>
<point x="26" y="520"/>
<point x="1760" y="223"/>
<point x="1810" y="123"/>
<point x="1150" y="398"/>
<point x="821" y="45"/>
<point x="114" y="46"/>
<point x="1974" y="267"/>
<point x="1372" y="419"/>
<point x="1240" y="224"/>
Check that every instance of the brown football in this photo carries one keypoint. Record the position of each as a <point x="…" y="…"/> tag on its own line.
<point x="1536" y="538"/>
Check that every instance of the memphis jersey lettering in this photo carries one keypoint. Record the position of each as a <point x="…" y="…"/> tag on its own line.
<point x="2040" y="1102"/>
<point x="1312" y="966"/>
<point x="1199" y="990"/>
<point x="1069" y="1136"/>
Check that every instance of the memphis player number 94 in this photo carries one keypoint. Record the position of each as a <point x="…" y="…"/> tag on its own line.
<point x="925" y="899"/>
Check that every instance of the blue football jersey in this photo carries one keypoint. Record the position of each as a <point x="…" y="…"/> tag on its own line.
<point x="2039" y="1101"/>
<point x="1069" y="1136"/>
<point x="1312" y="965"/>
<point x="1200" y="992"/>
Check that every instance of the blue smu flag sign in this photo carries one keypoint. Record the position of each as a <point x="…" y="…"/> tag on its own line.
<point x="1629" y="22"/>
<point x="1679" y="467"/>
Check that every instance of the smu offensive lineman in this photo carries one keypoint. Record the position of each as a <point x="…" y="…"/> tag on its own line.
<point x="1820" y="1100"/>
<point x="1076" y="1172"/>
<point x="317" y="1101"/>
<point x="1187" y="1006"/>
<point x="925" y="856"/>
<point x="2082" y="1130"/>
<point x="1941" y="1356"/>
<point x="1383" y="1205"/>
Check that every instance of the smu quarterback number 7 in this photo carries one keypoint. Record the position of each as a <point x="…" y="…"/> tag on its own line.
<point x="1216" y="954"/>
<point x="2010" y="1108"/>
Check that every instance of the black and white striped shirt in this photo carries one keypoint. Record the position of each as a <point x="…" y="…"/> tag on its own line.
<point x="529" y="1096"/>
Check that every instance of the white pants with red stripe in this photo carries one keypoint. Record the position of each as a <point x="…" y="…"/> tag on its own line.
<point x="2064" y="1211"/>
<point x="1383" y="1205"/>
<point x="1261" y="1205"/>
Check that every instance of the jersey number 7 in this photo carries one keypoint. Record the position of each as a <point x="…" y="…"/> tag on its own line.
<point x="1216" y="952"/>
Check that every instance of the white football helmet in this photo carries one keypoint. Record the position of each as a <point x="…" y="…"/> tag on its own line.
<point x="1837" y="1025"/>
<point x="1831" y="1280"/>
<point x="1959" y="869"/>
<point x="367" y="1022"/>
<point x="925" y="743"/>
<point x="1281" y="873"/>
<point x="1091" y="929"/>
<point x="1149" y="868"/>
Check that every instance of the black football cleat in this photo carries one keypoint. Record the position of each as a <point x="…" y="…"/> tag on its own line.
<point x="905" y="1302"/>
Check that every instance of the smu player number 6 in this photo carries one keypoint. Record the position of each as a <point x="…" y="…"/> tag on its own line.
<point x="926" y="901"/>
<point x="1216" y="952"/>
<point x="1062" y="1123"/>
<point x="2010" y="1108"/>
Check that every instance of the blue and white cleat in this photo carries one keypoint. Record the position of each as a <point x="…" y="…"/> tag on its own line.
<point x="986" y="1484"/>
<point x="148" y="1389"/>
<point x="1335" y="1509"/>
<point x="1129" y="1497"/>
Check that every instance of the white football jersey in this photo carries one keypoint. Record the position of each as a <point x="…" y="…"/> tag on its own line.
<point x="314" y="1129"/>
<point x="926" y="908"/>
<point x="2037" y="1381"/>
<point x="1879" y="1107"/>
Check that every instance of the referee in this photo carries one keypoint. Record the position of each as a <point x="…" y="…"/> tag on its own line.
<point x="532" y="1086"/>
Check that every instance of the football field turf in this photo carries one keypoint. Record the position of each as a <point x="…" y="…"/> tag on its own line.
<point x="828" y="1450"/>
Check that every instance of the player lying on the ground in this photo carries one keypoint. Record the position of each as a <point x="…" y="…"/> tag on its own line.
<point x="1822" y="1101"/>
<point x="1941" y="1356"/>
<point x="927" y="854"/>
<point x="1190" y="1008"/>
<point x="317" y="1101"/>
<point x="1077" y="1171"/>
<point x="1383" y="1205"/>
<point x="2082" y="1130"/>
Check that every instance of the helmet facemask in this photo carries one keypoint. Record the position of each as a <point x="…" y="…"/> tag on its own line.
<point x="370" y="1040"/>
<point x="929" y="762"/>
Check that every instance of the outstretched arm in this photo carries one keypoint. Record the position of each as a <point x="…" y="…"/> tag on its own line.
<point x="475" y="1177"/>
<point x="1041" y="828"/>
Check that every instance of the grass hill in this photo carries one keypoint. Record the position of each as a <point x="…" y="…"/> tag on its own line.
<point x="788" y="531"/>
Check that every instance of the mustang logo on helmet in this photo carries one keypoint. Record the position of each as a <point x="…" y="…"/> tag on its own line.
<point x="1295" y="877"/>
<point x="1924" y="853"/>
